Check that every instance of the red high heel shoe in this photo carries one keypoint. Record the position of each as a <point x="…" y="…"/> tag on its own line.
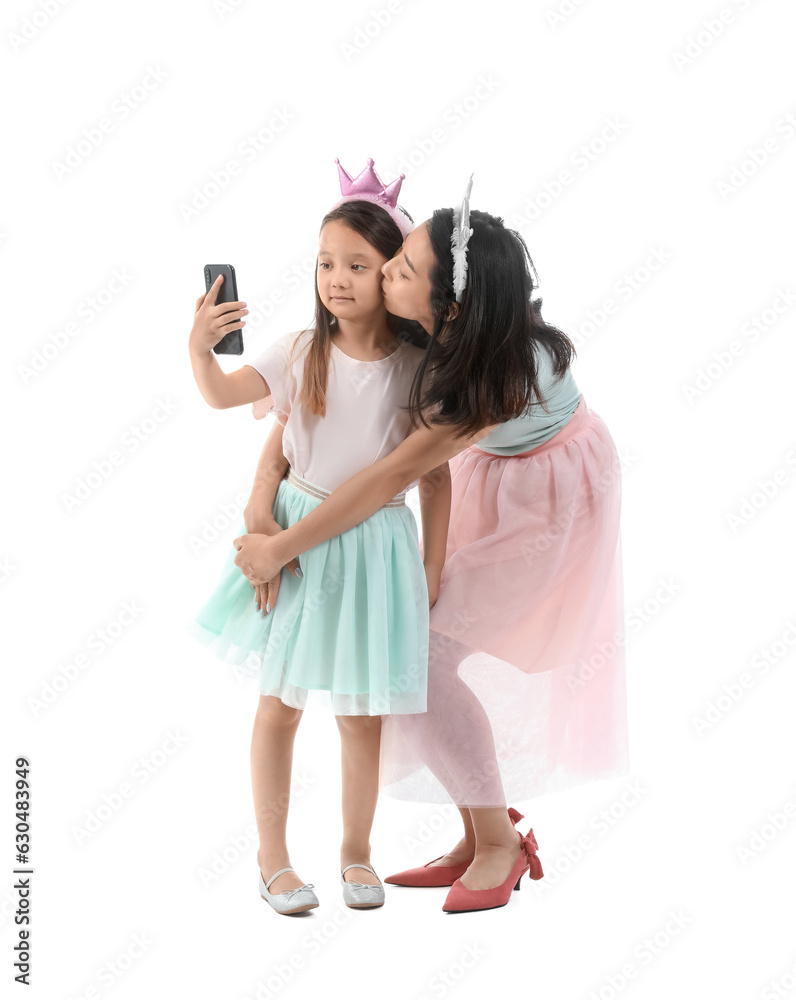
<point x="428" y="876"/>
<point x="460" y="899"/>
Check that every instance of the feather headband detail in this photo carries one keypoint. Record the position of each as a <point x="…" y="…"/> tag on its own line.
<point x="459" y="239"/>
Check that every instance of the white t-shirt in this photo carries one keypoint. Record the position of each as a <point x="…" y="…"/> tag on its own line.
<point x="364" y="420"/>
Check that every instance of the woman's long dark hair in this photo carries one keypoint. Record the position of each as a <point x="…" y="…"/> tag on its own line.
<point x="481" y="367"/>
<point x="382" y="233"/>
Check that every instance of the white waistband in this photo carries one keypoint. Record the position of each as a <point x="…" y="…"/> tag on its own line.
<point x="318" y="491"/>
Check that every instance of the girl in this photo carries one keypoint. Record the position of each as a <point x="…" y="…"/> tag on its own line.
<point x="533" y="569"/>
<point x="353" y="620"/>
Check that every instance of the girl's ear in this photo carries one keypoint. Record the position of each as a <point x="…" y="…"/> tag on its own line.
<point x="453" y="311"/>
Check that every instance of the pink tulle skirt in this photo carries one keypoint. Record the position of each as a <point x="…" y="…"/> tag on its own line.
<point x="527" y="655"/>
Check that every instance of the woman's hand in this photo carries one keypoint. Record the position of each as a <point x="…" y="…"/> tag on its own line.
<point x="265" y="594"/>
<point x="259" y="520"/>
<point x="211" y="322"/>
<point x="433" y="574"/>
<point x="257" y="557"/>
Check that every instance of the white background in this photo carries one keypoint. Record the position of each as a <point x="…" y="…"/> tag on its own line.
<point x="651" y="108"/>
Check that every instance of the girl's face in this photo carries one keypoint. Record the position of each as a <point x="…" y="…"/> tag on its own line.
<point x="406" y="284"/>
<point x="349" y="273"/>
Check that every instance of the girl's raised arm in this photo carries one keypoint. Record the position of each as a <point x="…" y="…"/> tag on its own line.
<point x="211" y="323"/>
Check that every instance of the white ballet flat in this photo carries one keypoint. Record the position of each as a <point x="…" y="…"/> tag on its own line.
<point x="290" y="900"/>
<point x="360" y="895"/>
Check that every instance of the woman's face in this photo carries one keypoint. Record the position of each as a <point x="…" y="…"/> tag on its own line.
<point x="406" y="283"/>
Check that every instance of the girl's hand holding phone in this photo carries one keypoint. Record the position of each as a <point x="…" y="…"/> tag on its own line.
<point x="212" y="322"/>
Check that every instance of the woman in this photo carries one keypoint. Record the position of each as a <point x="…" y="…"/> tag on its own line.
<point x="530" y="595"/>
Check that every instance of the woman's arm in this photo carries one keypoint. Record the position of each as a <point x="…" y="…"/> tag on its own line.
<point x="424" y="449"/>
<point x="435" y="510"/>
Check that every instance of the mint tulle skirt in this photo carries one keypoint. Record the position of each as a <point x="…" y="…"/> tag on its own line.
<point x="356" y="624"/>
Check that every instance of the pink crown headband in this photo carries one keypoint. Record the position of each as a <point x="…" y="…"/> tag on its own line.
<point x="368" y="186"/>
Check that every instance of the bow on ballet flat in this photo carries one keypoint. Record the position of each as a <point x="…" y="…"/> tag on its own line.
<point x="530" y="847"/>
<point x="290" y="893"/>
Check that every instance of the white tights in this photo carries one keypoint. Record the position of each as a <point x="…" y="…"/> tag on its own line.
<point x="452" y="739"/>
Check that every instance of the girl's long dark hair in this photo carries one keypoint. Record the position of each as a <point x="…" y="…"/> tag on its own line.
<point x="382" y="233"/>
<point x="481" y="367"/>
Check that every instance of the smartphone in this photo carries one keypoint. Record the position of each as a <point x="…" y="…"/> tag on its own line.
<point x="232" y="343"/>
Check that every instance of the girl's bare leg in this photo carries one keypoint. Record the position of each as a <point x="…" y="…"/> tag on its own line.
<point x="274" y="733"/>
<point x="360" y="738"/>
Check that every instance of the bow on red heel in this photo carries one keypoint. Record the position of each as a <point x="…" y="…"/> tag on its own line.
<point x="530" y="847"/>
<point x="461" y="899"/>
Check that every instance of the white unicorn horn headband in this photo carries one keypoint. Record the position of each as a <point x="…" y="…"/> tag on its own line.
<point x="459" y="239"/>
